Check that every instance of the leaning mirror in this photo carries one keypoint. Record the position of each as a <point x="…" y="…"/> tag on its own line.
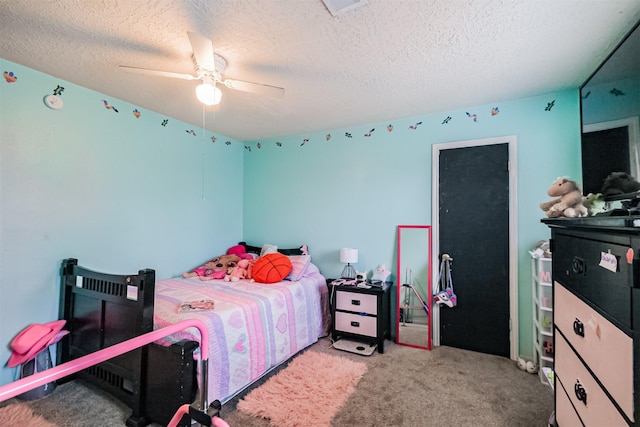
<point x="413" y="310"/>
<point x="610" y="112"/>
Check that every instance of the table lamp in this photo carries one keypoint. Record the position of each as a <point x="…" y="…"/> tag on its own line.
<point x="348" y="256"/>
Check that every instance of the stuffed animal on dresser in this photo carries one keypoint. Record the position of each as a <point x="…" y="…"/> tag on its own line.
<point x="619" y="183"/>
<point x="567" y="200"/>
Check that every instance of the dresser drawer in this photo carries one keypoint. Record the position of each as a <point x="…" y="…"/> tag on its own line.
<point x="596" y="406"/>
<point x="566" y="416"/>
<point x="356" y="324"/>
<point x="605" y="349"/>
<point x="360" y="303"/>
<point x="579" y="264"/>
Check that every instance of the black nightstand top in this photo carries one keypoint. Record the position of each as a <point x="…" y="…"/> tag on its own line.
<point x="354" y="288"/>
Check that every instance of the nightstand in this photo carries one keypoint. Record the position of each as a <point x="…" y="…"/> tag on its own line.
<point x="360" y="313"/>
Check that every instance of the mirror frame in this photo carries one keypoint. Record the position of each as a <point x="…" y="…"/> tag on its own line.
<point x="428" y="298"/>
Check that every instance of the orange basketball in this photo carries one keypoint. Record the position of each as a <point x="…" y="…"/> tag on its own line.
<point x="271" y="268"/>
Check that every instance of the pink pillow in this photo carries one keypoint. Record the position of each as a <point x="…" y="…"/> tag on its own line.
<point x="299" y="264"/>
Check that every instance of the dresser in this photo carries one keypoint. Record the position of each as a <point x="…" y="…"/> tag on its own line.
<point x="360" y="313"/>
<point x="596" y="318"/>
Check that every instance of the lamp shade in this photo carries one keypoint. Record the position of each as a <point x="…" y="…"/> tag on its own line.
<point x="208" y="94"/>
<point x="348" y="255"/>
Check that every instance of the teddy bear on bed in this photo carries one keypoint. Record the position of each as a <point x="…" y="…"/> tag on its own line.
<point x="567" y="200"/>
<point x="216" y="268"/>
<point x="240" y="271"/>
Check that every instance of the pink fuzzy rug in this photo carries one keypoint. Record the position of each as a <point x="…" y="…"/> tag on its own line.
<point x="308" y="392"/>
<point x="19" y="414"/>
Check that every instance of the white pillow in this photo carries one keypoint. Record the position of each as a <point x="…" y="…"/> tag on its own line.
<point x="268" y="249"/>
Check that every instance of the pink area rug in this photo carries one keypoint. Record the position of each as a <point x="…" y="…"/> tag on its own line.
<point x="19" y="414"/>
<point x="308" y="392"/>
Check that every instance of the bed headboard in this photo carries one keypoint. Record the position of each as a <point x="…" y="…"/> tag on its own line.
<point x="257" y="249"/>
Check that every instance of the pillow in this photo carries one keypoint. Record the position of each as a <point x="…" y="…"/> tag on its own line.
<point x="299" y="264"/>
<point x="268" y="249"/>
<point x="271" y="268"/>
<point x="301" y="250"/>
<point x="312" y="269"/>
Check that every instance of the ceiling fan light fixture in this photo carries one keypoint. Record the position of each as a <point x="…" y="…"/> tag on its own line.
<point x="208" y="94"/>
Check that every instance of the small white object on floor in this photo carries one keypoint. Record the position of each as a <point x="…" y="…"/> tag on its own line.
<point x="532" y="368"/>
<point x="355" y="347"/>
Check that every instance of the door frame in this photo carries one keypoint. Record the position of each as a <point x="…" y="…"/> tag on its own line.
<point x="511" y="141"/>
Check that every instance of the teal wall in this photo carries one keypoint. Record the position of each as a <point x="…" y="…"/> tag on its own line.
<point x="353" y="191"/>
<point x="116" y="192"/>
<point x="122" y="193"/>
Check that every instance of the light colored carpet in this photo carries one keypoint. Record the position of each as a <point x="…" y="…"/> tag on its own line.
<point x="308" y="392"/>
<point x="447" y="386"/>
<point x="405" y="387"/>
<point x="20" y="414"/>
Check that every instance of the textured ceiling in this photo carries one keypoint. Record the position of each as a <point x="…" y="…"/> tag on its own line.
<point x="386" y="59"/>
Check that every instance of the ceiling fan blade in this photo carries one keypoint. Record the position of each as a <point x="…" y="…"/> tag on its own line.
<point x="260" y="89"/>
<point x="147" y="72"/>
<point x="202" y="51"/>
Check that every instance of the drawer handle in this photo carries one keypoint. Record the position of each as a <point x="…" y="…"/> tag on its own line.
<point x="355" y="302"/>
<point x="581" y="393"/>
<point x="578" y="265"/>
<point x="578" y="327"/>
<point x="355" y="324"/>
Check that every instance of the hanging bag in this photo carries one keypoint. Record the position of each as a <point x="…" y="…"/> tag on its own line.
<point x="444" y="293"/>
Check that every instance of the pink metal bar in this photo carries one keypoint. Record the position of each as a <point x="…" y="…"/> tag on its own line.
<point x="36" y="380"/>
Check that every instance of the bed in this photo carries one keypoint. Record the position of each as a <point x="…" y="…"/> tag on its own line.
<point x="253" y="327"/>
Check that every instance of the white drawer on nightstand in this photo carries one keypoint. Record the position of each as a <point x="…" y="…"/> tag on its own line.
<point x="605" y="349"/>
<point x="595" y="409"/>
<point x="360" y="303"/>
<point x="356" y="324"/>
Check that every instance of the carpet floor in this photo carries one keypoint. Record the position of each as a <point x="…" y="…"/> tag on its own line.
<point x="309" y="392"/>
<point x="20" y="414"/>
<point x="402" y="387"/>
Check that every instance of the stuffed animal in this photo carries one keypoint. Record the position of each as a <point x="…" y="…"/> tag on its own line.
<point x="594" y="204"/>
<point x="381" y="273"/>
<point x="241" y="271"/>
<point x="361" y="276"/>
<point x="239" y="250"/>
<point x="216" y="268"/>
<point x="567" y="200"/>
<point x="619" y="183"/>
<point x="542" y="250"/>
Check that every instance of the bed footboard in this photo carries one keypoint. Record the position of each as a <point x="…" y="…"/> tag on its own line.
<point x="171" y="380"/>
<point x="105" y="309"/>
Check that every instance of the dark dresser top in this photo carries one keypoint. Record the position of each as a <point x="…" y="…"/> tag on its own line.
<point x="627" y="224"/>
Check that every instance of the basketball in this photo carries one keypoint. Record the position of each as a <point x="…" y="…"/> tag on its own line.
<point x="271" y="268"/>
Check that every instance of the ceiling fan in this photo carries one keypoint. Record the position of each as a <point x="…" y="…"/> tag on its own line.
<point x="209" y="68"/>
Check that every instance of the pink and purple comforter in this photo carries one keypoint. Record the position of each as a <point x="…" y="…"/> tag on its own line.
<point x="253" y="327"/>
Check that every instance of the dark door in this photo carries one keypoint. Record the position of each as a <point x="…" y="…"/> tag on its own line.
<point x="603" y="152"/>
<point x="474" y="230"/>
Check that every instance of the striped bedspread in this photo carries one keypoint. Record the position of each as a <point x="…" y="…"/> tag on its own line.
<point x="252" y="327"/>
